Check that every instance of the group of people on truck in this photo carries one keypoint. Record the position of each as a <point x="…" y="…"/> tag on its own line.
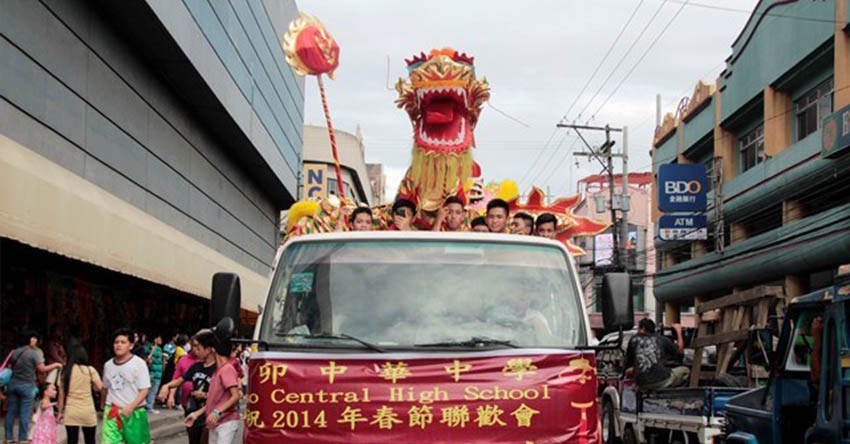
<point x="454" y="216"/>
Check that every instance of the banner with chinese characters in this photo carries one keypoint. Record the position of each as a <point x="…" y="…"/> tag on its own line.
<point x="504" y="396"/>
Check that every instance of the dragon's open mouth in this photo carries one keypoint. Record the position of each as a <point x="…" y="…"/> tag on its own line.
<point x="444" y="118"/>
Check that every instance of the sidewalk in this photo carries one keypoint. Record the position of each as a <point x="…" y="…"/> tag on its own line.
<point x="165" y="424"/>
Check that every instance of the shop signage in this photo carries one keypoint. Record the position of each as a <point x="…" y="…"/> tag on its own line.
<point x="315" y="180"/>
<point x="682" y="188"/>
<point x="835" y="137"/>
<point x="682" y="227"/>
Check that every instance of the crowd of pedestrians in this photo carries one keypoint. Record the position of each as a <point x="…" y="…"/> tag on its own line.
<point x="51" y="385"/>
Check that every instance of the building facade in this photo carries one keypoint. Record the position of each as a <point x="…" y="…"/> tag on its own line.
<point x="378" y="180"/>
<point x="144" y="146"/>
<point x="319" y="177"/>
<point x="778" y="209"/>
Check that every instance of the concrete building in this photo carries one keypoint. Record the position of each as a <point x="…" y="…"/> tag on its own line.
<point x="378" y="180"/>
<point x="781" y="200"/>
<point x="319" y="177"/>
<point x="144" y="146"/>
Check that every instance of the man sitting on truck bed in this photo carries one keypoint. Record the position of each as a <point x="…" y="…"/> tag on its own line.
<point x="648" y="352"/>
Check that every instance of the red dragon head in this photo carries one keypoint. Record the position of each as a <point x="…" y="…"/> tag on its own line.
<point x="443" y="99"/>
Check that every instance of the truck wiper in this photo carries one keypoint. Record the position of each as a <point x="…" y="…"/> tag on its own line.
<point x="345" y="336"/>
<point x="473" y="342"/>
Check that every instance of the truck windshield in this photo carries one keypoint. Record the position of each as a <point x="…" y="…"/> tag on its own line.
<point x="424" y="293"/>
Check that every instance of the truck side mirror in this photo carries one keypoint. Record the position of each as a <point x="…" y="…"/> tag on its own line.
<point x="223" y="332"/>
<point x="617" y="308"/>
<point x="226" y="298"/>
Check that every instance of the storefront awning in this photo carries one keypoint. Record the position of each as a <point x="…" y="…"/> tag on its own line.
<point x="51" y="208"/>
<point x="809" y="244"/>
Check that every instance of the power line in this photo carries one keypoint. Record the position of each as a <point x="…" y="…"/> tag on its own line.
<point x="558" y="167"/>
<point x="623" y="58"/>
<point x="540" y="154"/>
<point x="551" y="156"/>
<point x="604" y="59"/>
<point x="583" y="89"/>
<point x="648" y="49"/>
<point x="746" y="11"/>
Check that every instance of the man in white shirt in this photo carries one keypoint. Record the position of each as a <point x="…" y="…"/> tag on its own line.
<point x="126" y="382"/>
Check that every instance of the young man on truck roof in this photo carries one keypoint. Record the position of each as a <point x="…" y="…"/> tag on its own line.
<point x="361" y="219"/>
<point x="450" y="216"/>
<point x="546" y="225"/>
<point x="523" y="224"/>
<point x="648" y="352"/>
<point x="479" y="225"/>
<point x="404" y="211"/>
<point x="497" y="216"/>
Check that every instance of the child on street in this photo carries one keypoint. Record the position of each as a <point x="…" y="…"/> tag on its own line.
<point x="45" y="426"/>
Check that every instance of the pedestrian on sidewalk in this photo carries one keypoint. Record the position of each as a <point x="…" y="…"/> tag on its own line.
<point x="77" y="404"/>
<point x="26" y="362"/>
<point x="222" y="416"/>
<point x="126" y="382"/>
<point x="154" y="360"/>
<point x="199" y="377"/>
<point x="54" y="352"/>
<point x="45" y="425"/>
<point x="184" y="390"/>
<point x="141" y="347"/>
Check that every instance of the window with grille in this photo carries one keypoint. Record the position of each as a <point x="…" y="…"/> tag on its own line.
<point x="812" y="108"/>
<point x="751" y="146"/>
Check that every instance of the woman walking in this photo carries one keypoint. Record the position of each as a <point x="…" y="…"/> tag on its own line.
<point x="26" y="362"/>
<point x="76" y="402"/>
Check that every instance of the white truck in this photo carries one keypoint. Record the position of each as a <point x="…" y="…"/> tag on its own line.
<point x="486" y="333"/>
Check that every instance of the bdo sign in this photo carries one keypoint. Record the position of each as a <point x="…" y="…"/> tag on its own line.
<point x="682" y="188"/>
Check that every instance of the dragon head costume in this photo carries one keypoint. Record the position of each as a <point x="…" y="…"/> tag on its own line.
<point x="443" y="98"/>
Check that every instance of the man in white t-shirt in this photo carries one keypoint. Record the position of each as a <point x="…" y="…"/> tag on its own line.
<point x="126" y="382"/>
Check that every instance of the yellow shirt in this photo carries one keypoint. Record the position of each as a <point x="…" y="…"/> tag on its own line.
<point x="178" y="353"/>
<point x="79" y="405"/>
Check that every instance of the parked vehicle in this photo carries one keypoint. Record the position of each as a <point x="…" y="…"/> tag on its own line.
<point x="806" y="398"/>
<point x="610" y="363"/>
<point x="687" y="415"/>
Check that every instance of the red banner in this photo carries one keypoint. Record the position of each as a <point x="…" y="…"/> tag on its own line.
<point x="505" y="396"/>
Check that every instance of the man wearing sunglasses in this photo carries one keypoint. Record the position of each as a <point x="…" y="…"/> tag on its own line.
<point x="403" y="213"/>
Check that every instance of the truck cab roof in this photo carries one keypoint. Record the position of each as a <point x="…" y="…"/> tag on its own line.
<point x="469" y="236"/>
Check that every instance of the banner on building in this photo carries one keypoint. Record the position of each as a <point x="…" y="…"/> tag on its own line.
<point x="520" y="396"/>
<point x="603" y="249"/>
<point x="682" y="227"/>
<point x="682" y="188"/>
<point x="315" y="180"/>
<point x="835" y="138"/>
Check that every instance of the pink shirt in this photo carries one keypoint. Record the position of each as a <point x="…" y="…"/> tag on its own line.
<point x="180" y="369"/>
<point x="223" y="379"/>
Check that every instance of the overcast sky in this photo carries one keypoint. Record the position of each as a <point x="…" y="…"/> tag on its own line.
<point x="537" y="56"/>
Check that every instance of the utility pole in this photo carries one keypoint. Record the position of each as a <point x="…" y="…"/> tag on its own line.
<point x="605" y="156"/>
<point x="659" y="308"/>
<point x="624" y="203"/>
<point x="719" y="228"/>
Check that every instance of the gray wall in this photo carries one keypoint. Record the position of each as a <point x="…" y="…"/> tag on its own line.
<point x="72" y="90"/>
